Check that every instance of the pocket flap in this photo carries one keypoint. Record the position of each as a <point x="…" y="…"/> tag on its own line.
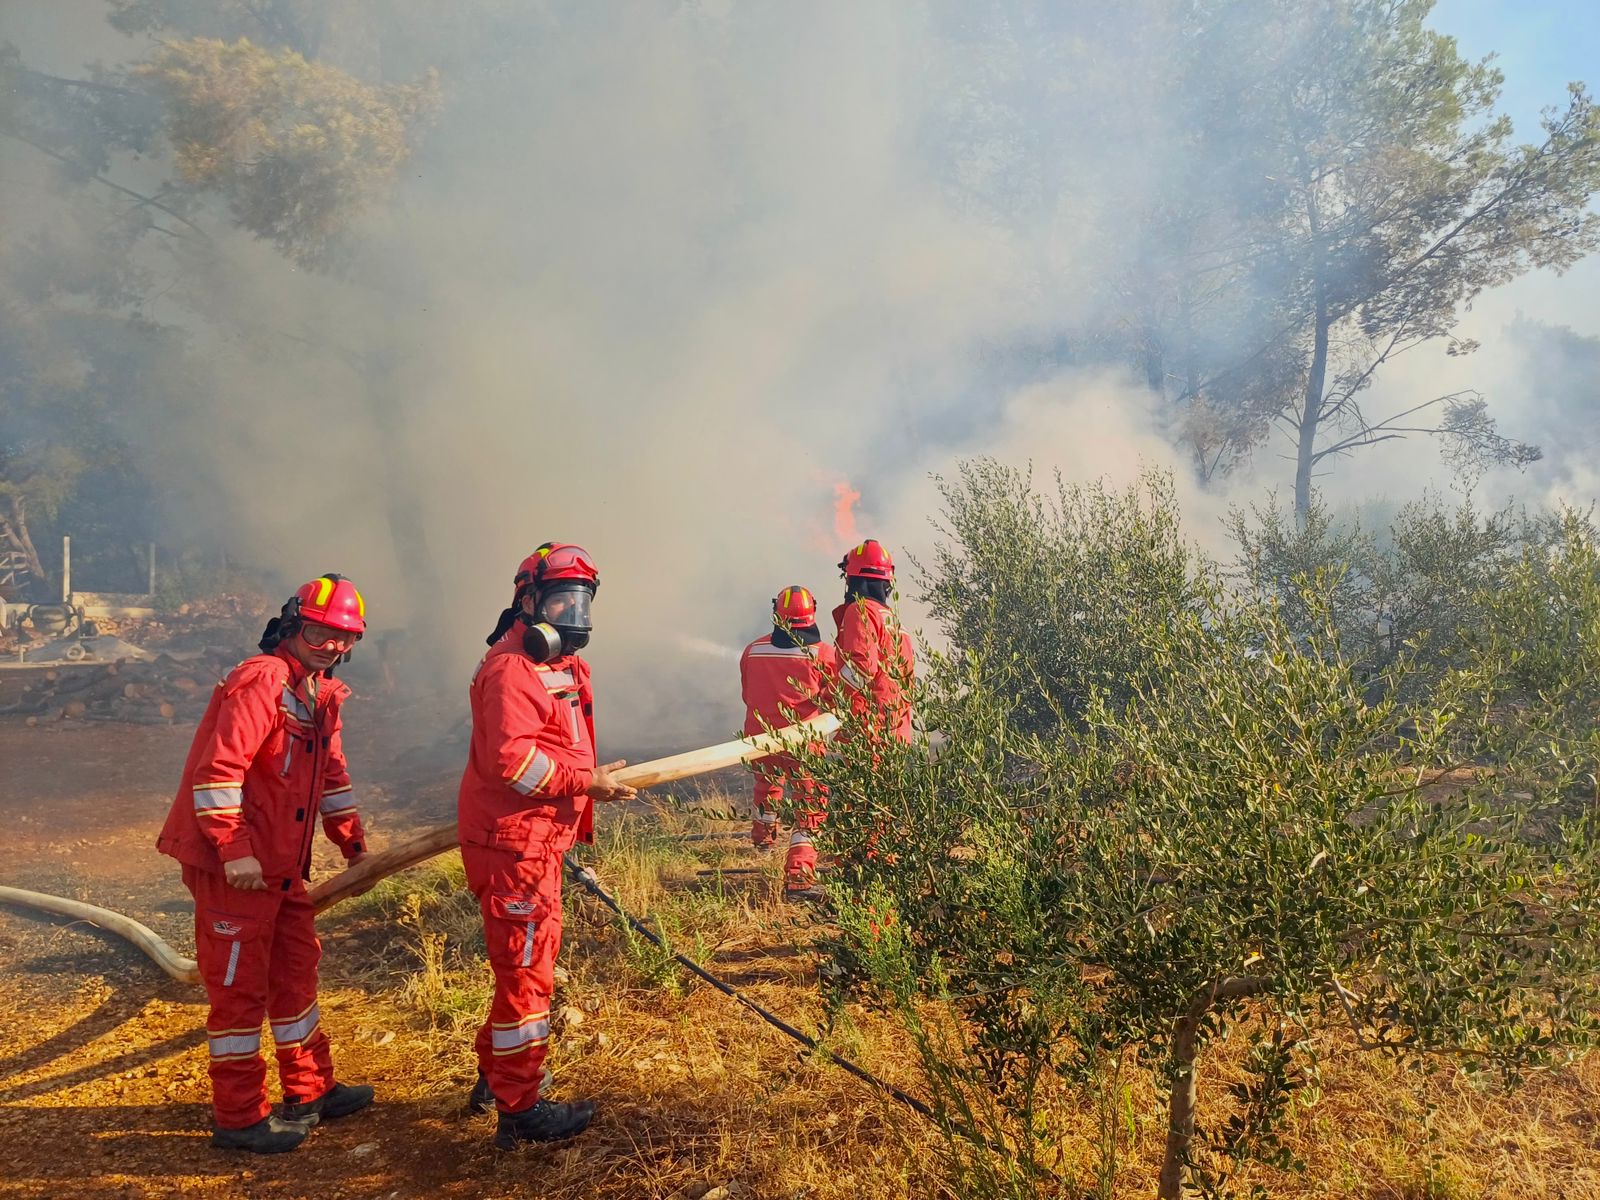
<point x="229" y="928"/>
<point x="516" y="906"/>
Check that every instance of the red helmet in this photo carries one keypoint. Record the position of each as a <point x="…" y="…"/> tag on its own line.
<point x="553" y="561"/>
<point x="867" y="561"/>
<point x="794" y="608"/>
<point x="330" y="600"/>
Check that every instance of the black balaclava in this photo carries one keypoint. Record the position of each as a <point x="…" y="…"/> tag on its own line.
<point x="856" y="586"/>
<point x="802" y="635"/>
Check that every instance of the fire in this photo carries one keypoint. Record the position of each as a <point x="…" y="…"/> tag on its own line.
<point x="844" y="517"/>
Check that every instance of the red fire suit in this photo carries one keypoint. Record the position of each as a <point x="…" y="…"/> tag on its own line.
<point x="521" y="806"/>
<point x="783" y="684"/>
<point x="266" y="762"/>
<point x="877" y="664"/>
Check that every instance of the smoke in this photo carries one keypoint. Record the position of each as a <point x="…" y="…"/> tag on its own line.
<point x="699" y="286"/>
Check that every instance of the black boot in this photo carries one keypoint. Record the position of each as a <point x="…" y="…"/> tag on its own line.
<point x="338" y="1101"/>
<point x="481" y="1098"/>
<point x="267" y="1136"/>
<point x="545" y="1121"/>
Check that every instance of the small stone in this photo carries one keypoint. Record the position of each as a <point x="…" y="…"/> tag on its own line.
<point x="364" y="1149"/>
<point x="563" y="975"/>
<point x="384" y="1038"/>
<point x="572" y="1017"/>
<point x="602" y="1039"/>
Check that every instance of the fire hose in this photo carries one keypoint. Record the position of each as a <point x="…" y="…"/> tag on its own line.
<point x="358" y="879"/>
<point x="432" y="842"/>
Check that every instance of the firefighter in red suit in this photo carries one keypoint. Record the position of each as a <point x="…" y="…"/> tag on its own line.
<point x="266" y="763"/>
<point x="877" y="663"/>
<point x="785" y="678"/>
<point x="525" y="798"/>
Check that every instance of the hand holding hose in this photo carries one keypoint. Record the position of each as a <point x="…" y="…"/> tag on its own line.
<point x="605" y="786"/>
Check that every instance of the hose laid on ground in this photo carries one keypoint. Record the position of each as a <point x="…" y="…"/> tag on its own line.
<point x="586" y="878"/>
<point x="169" y="960"/>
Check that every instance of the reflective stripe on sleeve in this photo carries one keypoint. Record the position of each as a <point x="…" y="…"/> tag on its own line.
<point x="218" y="797"/>
<point x="534" y="772"/>
<point x="852" y="677"/>
<point x="334" y="803"/>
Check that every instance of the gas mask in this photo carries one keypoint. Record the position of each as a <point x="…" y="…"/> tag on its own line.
<point x="561" y="622"/>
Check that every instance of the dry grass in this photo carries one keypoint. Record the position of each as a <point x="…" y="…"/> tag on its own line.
<point x="695" y="1092"/>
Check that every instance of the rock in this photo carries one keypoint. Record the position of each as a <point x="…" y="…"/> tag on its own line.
<point x="563" y="975"/>
<point x="384" y="1038"/>
<point x="602" y="1039"/>
<point x="572" y="1017"/>
<point x="364" y="1149"/>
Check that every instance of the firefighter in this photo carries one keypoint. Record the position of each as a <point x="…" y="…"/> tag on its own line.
<point x="265" y="764"/>
<point x="877" y="662"/>
<point x="526" y="796"/>
<point x="784" y="676"/>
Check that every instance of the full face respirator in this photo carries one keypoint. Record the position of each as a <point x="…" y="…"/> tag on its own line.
<point x="561" y="622"/>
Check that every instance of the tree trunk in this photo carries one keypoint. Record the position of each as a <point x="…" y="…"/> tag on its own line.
<point x="1185" y="1047"/>
<point x="1311" y="412"/>
<point x="14" y="527"/>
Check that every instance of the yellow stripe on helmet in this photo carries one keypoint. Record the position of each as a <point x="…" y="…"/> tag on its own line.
<point x="325" y="588"/>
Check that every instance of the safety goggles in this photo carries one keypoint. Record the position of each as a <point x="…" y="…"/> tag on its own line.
<point x="326" y="637"/>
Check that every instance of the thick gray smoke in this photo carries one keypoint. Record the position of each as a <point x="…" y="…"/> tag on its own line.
<point x="660" y="278"/>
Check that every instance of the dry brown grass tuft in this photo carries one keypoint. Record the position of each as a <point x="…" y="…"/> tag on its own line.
<point x="695" y="1092"/>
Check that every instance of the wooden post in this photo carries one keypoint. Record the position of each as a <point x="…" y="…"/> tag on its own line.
<point x="66" y="569"/>
<point x="151" y="589"/>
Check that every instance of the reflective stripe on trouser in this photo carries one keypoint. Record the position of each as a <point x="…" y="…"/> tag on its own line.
<point x="766" y="794"/>
<point x="520" y="899"/>
<point x="800" y="864"/>
<point x="258" y="954"/>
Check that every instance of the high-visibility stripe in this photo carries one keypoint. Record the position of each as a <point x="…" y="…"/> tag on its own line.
<point x="515" y="1037"/>
<point x="297" y="1029"/>
<point x="852" y="677"/>
<point x="218" y="797"/>
<point x="235" y="1045"/>
<point x="534" y="773"/>
<point x="233" y="965"/>
<point x="799" y="837"/>
<point x="296" y="707"/>
<point x="527" y="944"/>
<point x="334" y="803"/>
<point x="770" y="651"/>
<point x="556" y="679"/>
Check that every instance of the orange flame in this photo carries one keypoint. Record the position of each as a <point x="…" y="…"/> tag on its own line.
<point x="844" y="517"/>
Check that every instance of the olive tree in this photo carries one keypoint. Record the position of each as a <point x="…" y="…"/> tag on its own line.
<point x="1252" y="838"/>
